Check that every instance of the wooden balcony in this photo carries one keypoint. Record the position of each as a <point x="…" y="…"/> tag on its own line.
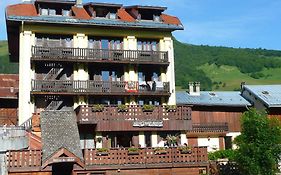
<point x="209" y="127"/>
<point x="98" y="55"/>
<point x="31" y="160"/>
<point x="135" y="118"/>
<point x="90" y="87"/>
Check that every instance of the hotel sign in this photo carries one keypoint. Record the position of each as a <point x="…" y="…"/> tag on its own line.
<point x="148" y="123"/>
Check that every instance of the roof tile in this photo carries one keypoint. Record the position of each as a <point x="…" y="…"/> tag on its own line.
<point x="124" y="16"/>
<point x="21" y="10"/>
<point x="80" y="13"/>
<point x="167" y="19"/>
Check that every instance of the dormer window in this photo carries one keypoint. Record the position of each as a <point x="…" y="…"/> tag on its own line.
<point x="65" y="13"/>
<point x="52" y="12"/>
<point x="102" y="10"/>
<point x="156" y="18"/>
<point x="112" y="15"/>
<point x="147" y="13"/>
<point x="53" y="8"/>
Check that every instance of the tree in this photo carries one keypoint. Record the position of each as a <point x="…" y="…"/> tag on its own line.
<point x="259" y="147"/>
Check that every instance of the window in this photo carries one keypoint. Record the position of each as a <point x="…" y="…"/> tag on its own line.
<point x="113" y="44"/>
<point x="156" y="18"/>
<point x="65" y="13"/>
<point x="147" y="45"/>
<point x="52" y="12"/>
<point x="112" y="15"/>
<point x="44" y="12"/>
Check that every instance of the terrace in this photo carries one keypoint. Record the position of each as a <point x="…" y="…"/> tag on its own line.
<point x="31" y="160"/>
<point x="42" y="53"/>
<point x="93" y="87"/>
<point x="135" y="117"/>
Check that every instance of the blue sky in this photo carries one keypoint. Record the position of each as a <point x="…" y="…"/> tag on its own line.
<point x="233" y="23"/>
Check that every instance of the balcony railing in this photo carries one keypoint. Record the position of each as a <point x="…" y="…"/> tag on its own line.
<point x="99" y="55"/>
<point x="88" y="114"/>
<point x="209" y="127"/>
<point x="98" y="87"/>
<point x="31" y="160"/>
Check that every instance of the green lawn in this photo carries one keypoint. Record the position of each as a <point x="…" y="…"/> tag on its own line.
<point x="229" y="77"/>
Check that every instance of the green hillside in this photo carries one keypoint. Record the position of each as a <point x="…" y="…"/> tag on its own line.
<point x="5" y="65"/>
<point x="222" y="68"/>
<point x="217" y="68"/>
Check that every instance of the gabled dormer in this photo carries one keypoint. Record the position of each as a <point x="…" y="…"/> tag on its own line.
<point x="147" y="13"/>
<point x="103" y="10"/>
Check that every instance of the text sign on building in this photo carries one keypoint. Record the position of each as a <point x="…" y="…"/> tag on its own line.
<point x="154" y="124"/>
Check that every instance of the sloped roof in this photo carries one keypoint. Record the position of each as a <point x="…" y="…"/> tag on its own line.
<point x="28" y="13"/>
<point x="270" y="95"/>
<point x="208" y="98"/>
<point x="59" y="130"/>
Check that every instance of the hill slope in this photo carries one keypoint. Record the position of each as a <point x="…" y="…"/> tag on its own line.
<point x="217" y="68"/>
<point x="5" y="65"/>
<point x="222" y="68"/>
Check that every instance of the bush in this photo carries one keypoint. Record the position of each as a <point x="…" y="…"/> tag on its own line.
<point x="222" y="154"/>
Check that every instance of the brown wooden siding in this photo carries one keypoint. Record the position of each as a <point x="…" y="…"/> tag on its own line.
<point x="8" y="116"/>
<point x="232" y="118"/>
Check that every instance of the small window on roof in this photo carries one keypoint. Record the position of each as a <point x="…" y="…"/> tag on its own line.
<point x="52" y="12"/>
<point x="44" y="11"/>
<point x="156" y="18"/>
<point x="65" y="13"/>
<point x="112" y="15"/>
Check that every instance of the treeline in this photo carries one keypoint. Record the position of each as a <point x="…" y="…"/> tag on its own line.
<point x="5" y="66"/>
<point x="189" y="57"/>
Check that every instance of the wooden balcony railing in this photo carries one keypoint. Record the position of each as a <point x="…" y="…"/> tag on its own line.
<point x="99" y="55"/>
<point x="31" y="160"/>
<point x="98" y="87"/>
<point x="209" y="127"/>
<point x="87" y="114"/>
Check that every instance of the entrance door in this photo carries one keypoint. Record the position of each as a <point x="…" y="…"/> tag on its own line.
<point x="62" y="169"/>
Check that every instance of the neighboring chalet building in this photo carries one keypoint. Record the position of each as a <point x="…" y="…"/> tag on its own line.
<point x="264" y="97"/>
<point x="215" y="116"/>
<point x="12" y="137"/>
<point x="98" y="75"/>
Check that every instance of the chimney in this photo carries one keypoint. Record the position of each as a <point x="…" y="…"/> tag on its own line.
<point x="191" y="88"/>
<point x="79" y="3"/>
<point x="194" y="88"/>
<point x="197" y="86"/>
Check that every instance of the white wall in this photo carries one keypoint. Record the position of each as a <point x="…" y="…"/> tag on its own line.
<point x="213" y="143"/>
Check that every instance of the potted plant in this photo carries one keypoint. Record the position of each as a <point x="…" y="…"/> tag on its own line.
<point x="171" y="108"/>
<point x="133" y="151"/>
<point x="102" y="151"/>
<point x="185" y="149"/>
<point x="122" y="108"/>
<point x="97" y="108"/>
<point x="160" y="150"/>
<point x="148" y="108"/>
<point x="172" y="140"/>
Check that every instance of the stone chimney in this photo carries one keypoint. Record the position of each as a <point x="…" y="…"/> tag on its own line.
<point x="194" y="88"/>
